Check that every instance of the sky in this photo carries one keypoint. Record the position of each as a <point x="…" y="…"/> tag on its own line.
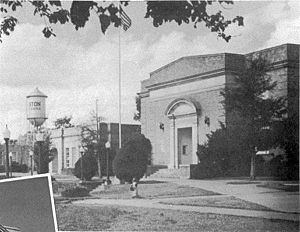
<point x="26" y="204"/>
<point x="76" y="67"/>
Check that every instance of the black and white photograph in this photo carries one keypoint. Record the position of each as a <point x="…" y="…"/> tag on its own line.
<point x="150" y="115"/>
<point x="27" y="204"/>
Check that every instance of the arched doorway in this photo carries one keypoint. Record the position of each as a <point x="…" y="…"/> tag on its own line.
<point x="183" y="121"/>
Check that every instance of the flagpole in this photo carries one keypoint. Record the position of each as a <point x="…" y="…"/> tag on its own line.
<point x="120" y="108"/>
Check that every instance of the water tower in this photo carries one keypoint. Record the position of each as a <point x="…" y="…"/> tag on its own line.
<point x="36" y="108"/>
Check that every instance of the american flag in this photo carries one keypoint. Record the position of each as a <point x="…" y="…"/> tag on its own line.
<point x="125" y="20"/>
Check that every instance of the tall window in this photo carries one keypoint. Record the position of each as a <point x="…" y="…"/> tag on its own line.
<point x="74" y="156"/>
<point x="67" y="157"/>
<point x="14" y="156"/>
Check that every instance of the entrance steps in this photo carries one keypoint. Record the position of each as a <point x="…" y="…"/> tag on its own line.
<point x="182" y="172"/>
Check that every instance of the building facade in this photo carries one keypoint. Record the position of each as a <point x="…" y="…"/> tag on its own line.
<point x="67" y="142"/>
<point x="18" y="150"/>
<point x="180" y="102"/>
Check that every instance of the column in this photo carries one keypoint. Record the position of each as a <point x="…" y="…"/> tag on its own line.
<point x="195" y="139"/>
<point x="172" y="143"/>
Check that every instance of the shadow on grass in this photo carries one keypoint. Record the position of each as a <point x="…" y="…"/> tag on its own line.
<point x="279" y="186"/>
<point x="243" y="182"/>
<point x="151" y="182"/>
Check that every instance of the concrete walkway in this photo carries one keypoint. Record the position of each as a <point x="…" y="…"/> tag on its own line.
<point x="285" y="202"/>
<point x="278" y="200"/>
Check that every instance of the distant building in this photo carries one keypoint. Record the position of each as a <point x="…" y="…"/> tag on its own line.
<point x="18" y="150"/>
<point x="67" y="142"/>
<point x="180" y="102"/>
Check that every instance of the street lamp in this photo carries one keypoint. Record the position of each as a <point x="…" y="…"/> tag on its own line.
<point x="107" y="146"/>
<point x="10" y="162"/>
<point x="81" y="150"/>
<point x="39" y="138"/>
<point x="31" y="164"/>
<point x="6" y="135"/>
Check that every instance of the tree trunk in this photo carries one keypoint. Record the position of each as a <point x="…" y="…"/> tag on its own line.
<point x="252" y="169"/>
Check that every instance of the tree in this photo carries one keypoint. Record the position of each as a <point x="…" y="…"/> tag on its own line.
<point x="160" y="12"/>
<point x="88" y="169"/>
<point x="137" y="115"/>
<point x="286" y="135"/>
<point x="63" y="122"/>
<point x="43" y="155"/>
<point x="247" y="107"/>
<point x="132" y="159"/>
<point x="94" y="139"/>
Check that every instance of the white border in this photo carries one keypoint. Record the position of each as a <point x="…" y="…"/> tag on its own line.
<point x="50" y="190"/>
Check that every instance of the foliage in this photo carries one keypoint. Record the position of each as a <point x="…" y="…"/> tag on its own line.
<point x="89" y="167"/>
<point x="75" y="192"/>
<point x="137" y="115"/>
<point x="93" y="143"/>
<point x="44" y="149"/>
<point x="90" y="185"/>
<point x="248" y="108"/>
<point x="2" y="168"/>
<point x="159" y="11"/>
<point x="63" y="122"/>
<point x="16" y="167"/>
<point x="132" y="159"/>
<point x="224" y="154"/>
<point x="286" y="134"/>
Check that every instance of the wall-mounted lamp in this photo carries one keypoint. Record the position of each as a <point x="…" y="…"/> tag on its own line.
<point x="207" y="120"/>
<point x="161" y="126"/>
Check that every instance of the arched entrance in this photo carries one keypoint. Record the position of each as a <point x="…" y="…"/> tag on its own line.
<point x="183" y="121"/>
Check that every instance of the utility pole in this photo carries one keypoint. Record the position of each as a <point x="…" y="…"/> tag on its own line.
<point x="98" y="141"/>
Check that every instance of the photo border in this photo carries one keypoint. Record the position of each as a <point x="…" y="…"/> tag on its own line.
<point x="50" y="190"/>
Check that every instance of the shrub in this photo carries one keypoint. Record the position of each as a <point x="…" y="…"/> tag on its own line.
<point x="16" y="167"/>
<point x="132" y="159"/>
<point x="2" y="168"/>
<point x="75" y="192"/>
<point x="90" y="185"/>
<point x="89" y="167"/>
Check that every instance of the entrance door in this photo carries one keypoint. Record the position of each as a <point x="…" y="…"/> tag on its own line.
<point x="185" y="145"/>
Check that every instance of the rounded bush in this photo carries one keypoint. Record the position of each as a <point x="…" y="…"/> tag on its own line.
<point x="75" y="192"/>
<point x="89" y="167"/>
<point x="132" y="159"/>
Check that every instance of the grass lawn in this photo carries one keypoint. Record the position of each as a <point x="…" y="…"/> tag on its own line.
<point x="153" y="189"/>
<point x="119" y="218"/>
<point x="223" y="202"/>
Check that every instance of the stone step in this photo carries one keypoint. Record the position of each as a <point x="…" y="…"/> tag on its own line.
<point x="181" y="172"/>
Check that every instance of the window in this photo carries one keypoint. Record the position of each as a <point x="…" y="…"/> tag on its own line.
<point x="14" y="156"/>
<point x="74" y="156"/>
<point x="184" y="149"/>
<point x="67" y="157"/>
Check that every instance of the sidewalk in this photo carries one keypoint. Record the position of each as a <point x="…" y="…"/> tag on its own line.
<point x="274" y="199"/>
<point x="154" y="203"/>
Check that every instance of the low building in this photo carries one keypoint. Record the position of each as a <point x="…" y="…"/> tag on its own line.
<point x="67" y="142"/>
<point x="19" y="152"/>
<point x="180" y="102"/>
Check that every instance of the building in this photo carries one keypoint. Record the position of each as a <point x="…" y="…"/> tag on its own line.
<point x="180" y="102"/>
<point x="67" y="142"/>
<point x="18" y="150"/>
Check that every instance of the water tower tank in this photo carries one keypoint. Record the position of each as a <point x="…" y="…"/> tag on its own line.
<point x="36" y="107"/>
